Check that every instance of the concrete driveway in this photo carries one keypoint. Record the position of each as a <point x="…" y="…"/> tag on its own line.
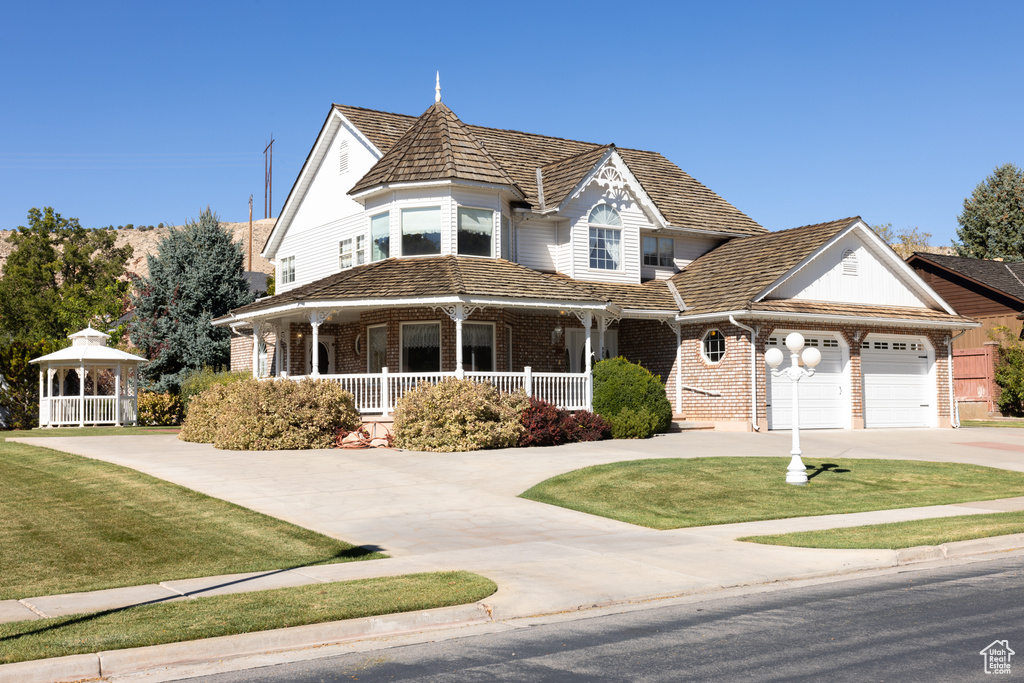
<point x="460" y="510"/>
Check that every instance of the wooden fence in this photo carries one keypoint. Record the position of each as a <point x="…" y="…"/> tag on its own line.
<point x="974" y="375"/>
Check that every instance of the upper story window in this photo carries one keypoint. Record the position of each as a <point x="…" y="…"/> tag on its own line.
<point x="476" y="232"/>
<point x="659" y="251"/>
<point x="421" y="231"/>
<point x="605" y="238"/>
<point x="287" y="270"/>
<point x="380" y="236"/>
<point x="352" y="252"/>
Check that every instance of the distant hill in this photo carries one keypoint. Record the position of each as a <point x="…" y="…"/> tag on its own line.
<point x="145" y="243"/>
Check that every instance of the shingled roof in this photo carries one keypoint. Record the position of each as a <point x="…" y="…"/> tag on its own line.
<point x="729" y="277"/>
<point x="683" y="201"/>
<point x="1007" y="278"/>
<point x="437" y="146"/>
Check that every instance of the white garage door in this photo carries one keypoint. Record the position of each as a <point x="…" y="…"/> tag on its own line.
<point x="898" y="391"/>
<point x="821" y="395"/>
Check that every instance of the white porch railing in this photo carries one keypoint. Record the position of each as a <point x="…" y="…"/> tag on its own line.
<point x="379" y="392"/>
<point x="94" y="410"/>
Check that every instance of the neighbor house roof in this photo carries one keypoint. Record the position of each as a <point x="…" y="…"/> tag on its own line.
<point x="684" y="202"/>
<point x="728" y="277"/>
<point x="1007" y="278"/>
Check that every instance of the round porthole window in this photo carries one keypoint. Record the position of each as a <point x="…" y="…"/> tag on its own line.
<point x="713" y="346"/>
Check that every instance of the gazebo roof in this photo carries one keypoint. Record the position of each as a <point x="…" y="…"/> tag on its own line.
<point x="88" y="346"/>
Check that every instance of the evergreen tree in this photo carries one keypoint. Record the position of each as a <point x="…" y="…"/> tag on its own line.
<point x="992" y="222"/>
<point x="60" y="277"/>
<point x="196" y="276"/>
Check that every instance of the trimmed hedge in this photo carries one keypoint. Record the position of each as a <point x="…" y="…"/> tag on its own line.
<point x="631" y="398"/>
<point x="270" y="415"/>
<point x="458" y="415"/>
<point x="159" y="410"/>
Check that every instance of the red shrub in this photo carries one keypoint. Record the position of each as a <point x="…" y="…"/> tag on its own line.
<point x="546" y="425"/>
<point x="588" y="426"/>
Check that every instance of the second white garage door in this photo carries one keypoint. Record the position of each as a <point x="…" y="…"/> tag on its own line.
<point x="822" y="405"/>
<point x="898" y="388"/>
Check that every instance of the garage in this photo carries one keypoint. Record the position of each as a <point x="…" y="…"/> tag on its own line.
<point x="822" y="404"/>
<point x="899" y="390"/>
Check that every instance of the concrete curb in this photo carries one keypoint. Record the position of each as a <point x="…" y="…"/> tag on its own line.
<point x="976" y="546"/>
<point x="78" y="667"/>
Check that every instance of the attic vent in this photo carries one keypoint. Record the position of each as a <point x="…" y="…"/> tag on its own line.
<point x="849" y="262"/>
<point x="343" y="157"/>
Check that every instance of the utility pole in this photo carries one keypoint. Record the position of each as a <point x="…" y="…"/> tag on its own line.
<point x="268" y="178"/>
<point x="250" y="234"/>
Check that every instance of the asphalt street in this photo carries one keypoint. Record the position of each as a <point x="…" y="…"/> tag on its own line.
<point x="916" y="625"/>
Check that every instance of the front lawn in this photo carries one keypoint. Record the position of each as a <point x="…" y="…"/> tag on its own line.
<point x="223" y="615"/>
<point x="896" y="535"/>
<point x="674" y="493"/>
<point x="1012" y="424"/>
<point x="70" y="524"/>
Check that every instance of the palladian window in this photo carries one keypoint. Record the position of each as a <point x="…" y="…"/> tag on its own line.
<point x="605" y="238"/>
<point x="421" y="231"/>
<point x="476" y="232"/>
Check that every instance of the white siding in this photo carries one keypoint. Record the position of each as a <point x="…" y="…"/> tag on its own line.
<point x="536" y="245"/>
<point x="563" y="239"/>
<point x="633" y="221"/>
<point x="875" y="283"/>
<point x="316" y="250"/>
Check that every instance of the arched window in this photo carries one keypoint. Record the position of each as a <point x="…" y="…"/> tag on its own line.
<point x="605" y="238"/>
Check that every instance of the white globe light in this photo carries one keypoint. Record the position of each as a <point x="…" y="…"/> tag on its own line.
<point x="773" y="357"/>
<point x="811" y="356"/>
<point x="794" y="342"/>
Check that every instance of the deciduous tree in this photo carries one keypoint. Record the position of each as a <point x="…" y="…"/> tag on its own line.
<point x="904" y="242"/>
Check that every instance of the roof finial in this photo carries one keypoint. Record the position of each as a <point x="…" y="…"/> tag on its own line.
<point x="437" y="88"/>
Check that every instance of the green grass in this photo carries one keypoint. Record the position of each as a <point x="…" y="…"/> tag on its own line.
<point x="74" y="524"/>
<point x="87" y="431"/>
<point x="1014" y="424"/>
<point x="674" y="493"/>
<point x="903" y="534"/>
<point x="239" y="613"/>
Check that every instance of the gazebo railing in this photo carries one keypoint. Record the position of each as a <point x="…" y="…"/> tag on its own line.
<point x="72" y="410"/>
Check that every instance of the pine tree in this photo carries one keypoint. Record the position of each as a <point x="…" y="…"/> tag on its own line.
<point x="195" y="276"/>
<point x="992" y="222"/>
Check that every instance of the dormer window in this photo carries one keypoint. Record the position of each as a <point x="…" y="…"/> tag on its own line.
<point x="421" y="231"/>
<point x="476" y="232"/>
<point x="605" y="238"/>
<point x="658" y="251"/>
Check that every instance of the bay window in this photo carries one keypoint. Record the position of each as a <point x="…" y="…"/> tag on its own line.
<point x="421" y="231"/>
<point x="421" y="347"/>
<point x="476" y="232"/>
<point x="380" y="236"/>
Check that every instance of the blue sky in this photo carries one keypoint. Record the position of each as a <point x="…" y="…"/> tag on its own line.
<point x="137" y="112"/>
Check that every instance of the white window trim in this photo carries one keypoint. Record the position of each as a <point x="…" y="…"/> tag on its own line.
<point x="401" y="341"/>
<point x="401" y="231"/>
<point x="658" y="240"/>
<point x="353" y="252"/>
<point x="369" y="232"/>
<point x="494" y="343"/>
<point x="494" y="229"/>
<point x="725" y="346"/>
<point x="618" y="228"/>
<point x="372" y="327"/>
<point x="283" y="275"/>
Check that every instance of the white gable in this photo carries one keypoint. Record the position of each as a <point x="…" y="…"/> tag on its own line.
<point x="852" y="270"/>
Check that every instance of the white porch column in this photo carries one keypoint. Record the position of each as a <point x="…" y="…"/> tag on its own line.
<point x="256" y="325"/>
<point x="588" y="320"/>
<point x="602" y="325"/>
<point x="458" y="315"/>
<point x="117" y="396"/>
<point x="277" y="350"/>
<point x="81" y="395"/>
<point x="42" y="396"/>
<point x="316" y="319"/>
<point x="679" y="367"/>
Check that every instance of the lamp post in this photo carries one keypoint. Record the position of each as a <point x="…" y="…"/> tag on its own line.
<point x="796" y="472"/>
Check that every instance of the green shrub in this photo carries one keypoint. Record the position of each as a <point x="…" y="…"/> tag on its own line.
<point x="620" y="385"/>
<point x="634" y="424"/>
<point x="458" y="415"/>
<point x="270" y="415"/>
<point x="197" y="381"/>
<point x="158" y="410"/>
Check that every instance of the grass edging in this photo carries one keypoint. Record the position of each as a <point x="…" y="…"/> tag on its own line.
<point x="214" y="617"/>
<point x="935" y="531"/>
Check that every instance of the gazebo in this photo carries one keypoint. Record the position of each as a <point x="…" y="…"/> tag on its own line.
<point x="88" y="383"/>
